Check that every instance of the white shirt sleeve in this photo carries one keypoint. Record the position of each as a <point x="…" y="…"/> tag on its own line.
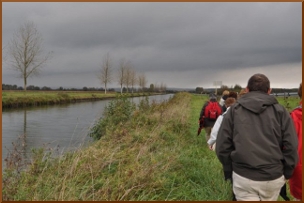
<point x="215" y="130"/>
<point x="222" y="101"/>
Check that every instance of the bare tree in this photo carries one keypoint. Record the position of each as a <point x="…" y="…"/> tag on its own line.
<point x="105" y="75"/>
<point x="3" y="54"/>
<point x="142" y="81"/>
<point x="163" y="87"/>
<point x="156" y="87"/>
<point x="133" y="79"/>
<point x="122" y="73"/>
<point x="26" y="52"/>
<point x="128" y="76"/>
<point x="139" y="80"/>
<point x="3" y="51"/>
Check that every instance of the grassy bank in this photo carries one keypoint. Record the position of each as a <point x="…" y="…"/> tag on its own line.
<point x="15" y="99"/>
<point x="153" y="155"/>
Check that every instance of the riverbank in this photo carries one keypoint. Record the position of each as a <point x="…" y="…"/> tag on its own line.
<point x="16" y="99"/>
<point x="153" y="155"/>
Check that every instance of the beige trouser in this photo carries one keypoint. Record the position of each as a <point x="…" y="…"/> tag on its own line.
<point x="249" y="190"/>
<point x="208" y="132"/>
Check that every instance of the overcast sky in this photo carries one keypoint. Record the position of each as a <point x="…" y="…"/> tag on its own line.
<point x="187" y="44"/>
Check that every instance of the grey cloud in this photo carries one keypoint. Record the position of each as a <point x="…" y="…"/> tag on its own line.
<point x="158" y="37"/>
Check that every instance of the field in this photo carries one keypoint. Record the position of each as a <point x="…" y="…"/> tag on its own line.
<point x="14" y="99"/>
<point x="289" y="102"/>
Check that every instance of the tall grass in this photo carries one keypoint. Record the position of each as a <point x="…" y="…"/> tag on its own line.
<point x="152" y="153"/>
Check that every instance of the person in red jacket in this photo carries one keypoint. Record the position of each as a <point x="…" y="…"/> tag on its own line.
<point x="295" y="182"/>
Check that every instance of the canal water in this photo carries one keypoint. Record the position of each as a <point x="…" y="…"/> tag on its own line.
<point x="58" y="128"/>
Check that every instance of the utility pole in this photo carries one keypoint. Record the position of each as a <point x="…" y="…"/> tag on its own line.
<point x="217" y="83"/>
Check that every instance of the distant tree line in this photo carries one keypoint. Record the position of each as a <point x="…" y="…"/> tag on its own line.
<point x="201" y="90"/>
<point x="11" y="87"/>
<point x="153" y="88"/>
<point x="237" y="88"/>
<point x="45" y="88"/>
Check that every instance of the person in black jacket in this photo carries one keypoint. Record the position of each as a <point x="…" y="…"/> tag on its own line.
<point x="257" y="145"/>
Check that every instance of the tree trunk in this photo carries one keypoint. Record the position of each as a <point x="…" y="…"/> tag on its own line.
<point x="25" y="82"/>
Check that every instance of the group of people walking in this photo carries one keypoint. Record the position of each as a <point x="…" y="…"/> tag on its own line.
<point x="257" y="141"/>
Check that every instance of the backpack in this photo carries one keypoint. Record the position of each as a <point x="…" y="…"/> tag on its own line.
<point x="212" y="111"/>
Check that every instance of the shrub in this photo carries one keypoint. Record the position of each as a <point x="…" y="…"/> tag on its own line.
<point x="118" y="112"/>
<point x="144" y="104"/>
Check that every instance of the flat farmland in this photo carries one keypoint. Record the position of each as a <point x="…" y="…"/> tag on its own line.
<point x="14" y="99"/>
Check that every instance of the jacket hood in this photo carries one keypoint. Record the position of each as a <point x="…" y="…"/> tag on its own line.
<point x="256" y="101"/>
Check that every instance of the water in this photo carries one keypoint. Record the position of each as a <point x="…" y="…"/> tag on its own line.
<point x="60" y="127"/>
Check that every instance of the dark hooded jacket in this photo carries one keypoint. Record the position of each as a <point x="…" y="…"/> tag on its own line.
<point x="257" y="139"/>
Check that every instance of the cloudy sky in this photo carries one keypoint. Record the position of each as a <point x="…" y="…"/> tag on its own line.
<point x="184" y="45"/>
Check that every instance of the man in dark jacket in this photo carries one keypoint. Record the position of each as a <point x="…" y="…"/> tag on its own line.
<point x="257" y="143"/>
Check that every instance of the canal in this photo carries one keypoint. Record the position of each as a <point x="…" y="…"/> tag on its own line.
<point x="58" y="128"/>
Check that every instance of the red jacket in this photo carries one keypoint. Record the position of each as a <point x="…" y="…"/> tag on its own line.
<point x="295" y="182"/>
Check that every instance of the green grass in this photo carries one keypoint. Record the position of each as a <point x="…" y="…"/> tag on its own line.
<point x="153" y="155"/>
<point x="156" y="155"/>
<point x="289" y="102"/>
<point x="14" y="99"/>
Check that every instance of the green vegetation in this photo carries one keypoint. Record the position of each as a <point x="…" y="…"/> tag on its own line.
<point x="145" y="152"/>
<point x="153" y="155"/>
<point x="14" y="99"/>
<point x="289" y="102"/>
<point x="117" y="113"/>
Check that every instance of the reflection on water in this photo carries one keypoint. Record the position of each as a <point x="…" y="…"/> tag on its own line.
<point x="62" y="127"/>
